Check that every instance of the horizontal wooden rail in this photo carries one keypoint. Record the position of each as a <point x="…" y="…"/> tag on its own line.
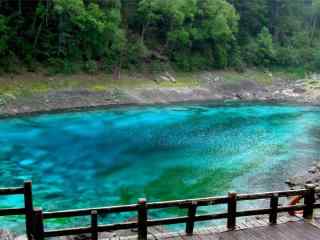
<point x="186" y="203"/>
<point x="118" y="226"/>
<point x="87" y="211"/>
<point x="11" y="191"/>
<point x="207" y="217"/>
<point x="257" y="196"/>
<point x="167" y="221"/>
<point x="12" y="211"/>
<point x="67" y="232"/>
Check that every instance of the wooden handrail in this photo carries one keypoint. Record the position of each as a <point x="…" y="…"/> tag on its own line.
<point x="12" y="211"/>
<point x="11" y="191"/>
<point x="35" y="217"/>
<point x="87" y="211"/>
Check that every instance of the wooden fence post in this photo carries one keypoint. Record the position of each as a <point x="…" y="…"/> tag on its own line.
<point x="309" y="200"/>
<point x="142" y="219"/>
<point x="39" y="227"/>
<point x="274" y="202"/>
<point x="232" y="210"/>
<point x="191" y="217"/>
<point x="28" y="205"/>
<point x="94" y="225"/>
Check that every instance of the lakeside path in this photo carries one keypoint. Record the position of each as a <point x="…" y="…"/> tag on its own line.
<point x="250" y="228"/>
<point x="288" y="231"/>
<point x="36" y="93"/>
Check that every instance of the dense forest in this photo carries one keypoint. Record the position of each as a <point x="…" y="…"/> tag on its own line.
<point x="110" y="35"/>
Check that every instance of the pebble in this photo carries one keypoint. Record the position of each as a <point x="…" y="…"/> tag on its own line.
<point x="312" y="170"/>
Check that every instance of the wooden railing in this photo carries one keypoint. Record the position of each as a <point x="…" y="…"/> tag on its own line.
<point x="142" y="208"/>
<point x="27" y="210"/>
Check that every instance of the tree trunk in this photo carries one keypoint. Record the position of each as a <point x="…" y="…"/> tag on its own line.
<point x="20" y="6"/>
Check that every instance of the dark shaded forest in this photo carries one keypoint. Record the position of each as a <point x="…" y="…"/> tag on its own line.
<point x="109" y="35"/>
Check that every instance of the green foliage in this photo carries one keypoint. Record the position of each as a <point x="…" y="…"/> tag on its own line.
<point x="265" y="51"/>
<point x="4" y="33"/>
<point x="316" y="59"/>
<point x="192" y="61"/>
<point x="64" y="66"/>
<point x="287" y="56"/>
<point x="235" y="58"/>
<point x="192" y="27"/>
<point x="136" y="52"/>
<point x="260" y="51"/>
<point x="253" y="16"/>
<point x="8" y="60"/>
<point x="89" y="32"/>
<point x="92" y="35"/>
<point x="91" y="66"/>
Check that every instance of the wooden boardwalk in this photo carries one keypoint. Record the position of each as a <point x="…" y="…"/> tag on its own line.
<point x="289" y="228"/>
<point x="285" y="231"/>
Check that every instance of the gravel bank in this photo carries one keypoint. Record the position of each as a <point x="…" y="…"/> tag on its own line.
<point x="300" y="91"/>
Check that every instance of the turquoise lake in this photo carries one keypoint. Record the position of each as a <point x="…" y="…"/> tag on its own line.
<point x="115" y="156"/>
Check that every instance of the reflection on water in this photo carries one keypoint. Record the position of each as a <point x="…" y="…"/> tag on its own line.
<point x="168" y="152"/>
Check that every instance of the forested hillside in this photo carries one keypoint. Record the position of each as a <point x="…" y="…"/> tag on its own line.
<point x="110" y="35"/>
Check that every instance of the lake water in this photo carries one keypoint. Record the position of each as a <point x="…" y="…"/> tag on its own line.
<point x="115" y="156"/>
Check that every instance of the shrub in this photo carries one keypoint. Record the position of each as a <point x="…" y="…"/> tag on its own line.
<point x="64" y="66"/>
<point x="316" y="60"/>
<point x="91" y="66"/>
<point x="260" y="51"/>
<point x="235" y="58"/>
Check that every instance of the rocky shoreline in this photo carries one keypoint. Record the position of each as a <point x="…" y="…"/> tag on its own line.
<point x="211" y="89"/>
<point x="309" y="176"/>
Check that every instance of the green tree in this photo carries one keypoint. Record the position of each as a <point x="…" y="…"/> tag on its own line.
<point x="260" y="51"/>
<point x="191" y="27"/>
<point x="4" y="33"/>
<point x="253" y="16"/>
<point x="265" y="51"/>
<point x="191" y="34"/>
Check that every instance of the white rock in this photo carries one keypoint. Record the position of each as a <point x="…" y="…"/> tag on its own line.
<point x="6" y="235"/>
<point x="22" y="237"/>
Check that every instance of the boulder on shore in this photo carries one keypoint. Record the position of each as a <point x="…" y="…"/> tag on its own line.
<point x="310" y="176"/>
<point x="6" y="235"/>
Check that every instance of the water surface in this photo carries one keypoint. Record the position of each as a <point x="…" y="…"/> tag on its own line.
<point x="115" y="156"/>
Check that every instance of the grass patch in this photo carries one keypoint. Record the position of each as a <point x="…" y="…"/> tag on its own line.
<point x="183" y="80"/>
<point x="31" y="83"/>
<point x="262" y="77"/>
<point x="26" y="84"/>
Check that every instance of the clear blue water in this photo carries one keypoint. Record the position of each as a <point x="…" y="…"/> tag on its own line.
<point x="115" y="156"/>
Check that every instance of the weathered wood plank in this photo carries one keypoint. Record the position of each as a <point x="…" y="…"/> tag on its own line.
<point x="288" y="231"/>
